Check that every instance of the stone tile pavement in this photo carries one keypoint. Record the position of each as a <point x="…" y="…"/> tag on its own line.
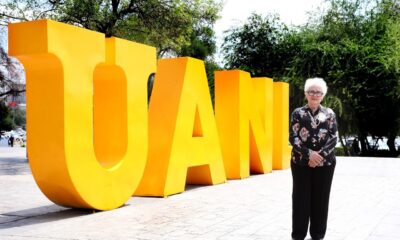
<point x="364" y="205"/>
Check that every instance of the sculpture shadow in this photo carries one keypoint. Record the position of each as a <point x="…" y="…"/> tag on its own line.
<point x="195" y="187"/>
<point x="49" y="213"/>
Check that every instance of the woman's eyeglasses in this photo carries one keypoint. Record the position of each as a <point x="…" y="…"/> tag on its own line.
<point x="315" y="93"/>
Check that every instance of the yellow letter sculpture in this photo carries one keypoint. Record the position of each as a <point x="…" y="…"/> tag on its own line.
<point x="263" y="91"/>
<point x="87" y="112"/>
<point x="244" y="125"/>
<point x="282" y="150"/>
<point x="90" y="135"/>
<point x="183" y="137"/>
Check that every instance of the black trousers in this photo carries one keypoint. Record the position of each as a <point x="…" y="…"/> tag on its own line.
<point x="310" y="200"/>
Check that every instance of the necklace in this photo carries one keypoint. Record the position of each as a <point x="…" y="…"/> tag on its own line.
<point x="314" y="122"/>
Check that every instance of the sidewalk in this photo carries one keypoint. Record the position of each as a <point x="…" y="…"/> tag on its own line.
<point x="364" y="205"/>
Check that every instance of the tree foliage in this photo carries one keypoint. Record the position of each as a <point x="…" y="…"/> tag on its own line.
<point x="354" y="45"/>
<point x="6" y="122"/>
<point x="165" y="24"/>
<point x="201" y="45"/>
<point x="257" y="47"/>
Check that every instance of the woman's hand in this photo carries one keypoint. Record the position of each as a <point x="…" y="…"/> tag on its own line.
<point x="315" y="159"/>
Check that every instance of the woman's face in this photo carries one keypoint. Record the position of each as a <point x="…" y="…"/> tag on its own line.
<point x="314" y="95"/>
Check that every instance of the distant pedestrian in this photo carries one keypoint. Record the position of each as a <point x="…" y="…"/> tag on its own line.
<point x="313" y="135"/>
<point x="11" y="141"/>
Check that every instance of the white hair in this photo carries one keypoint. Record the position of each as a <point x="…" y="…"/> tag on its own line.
<point x="319" y="82"/>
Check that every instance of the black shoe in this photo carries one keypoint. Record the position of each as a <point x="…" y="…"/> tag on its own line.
<point x="317" y="238"/>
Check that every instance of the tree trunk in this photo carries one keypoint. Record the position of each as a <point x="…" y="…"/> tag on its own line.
<point x="345" y="149"/>
<point x="391" y="145"/>
<point x="364" y="144"/>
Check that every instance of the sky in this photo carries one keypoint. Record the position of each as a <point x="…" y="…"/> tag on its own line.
<point x="290" y="11"/>
<point x="3" y="37"/>
<point x="235" y="12"/>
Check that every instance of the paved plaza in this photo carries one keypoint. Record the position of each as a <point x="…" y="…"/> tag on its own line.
<point x="364" y="205"/>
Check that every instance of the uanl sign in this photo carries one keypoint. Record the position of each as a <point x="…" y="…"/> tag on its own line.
<point x="93" y="141"/>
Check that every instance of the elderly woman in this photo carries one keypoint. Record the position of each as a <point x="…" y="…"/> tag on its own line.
<point x="313" y="135"/>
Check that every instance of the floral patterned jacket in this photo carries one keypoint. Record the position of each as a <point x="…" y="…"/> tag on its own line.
<point x="317" y="132"/>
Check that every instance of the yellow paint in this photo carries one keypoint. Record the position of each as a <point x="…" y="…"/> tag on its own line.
<point x="281" y="147"/>
<point x="242" y="123"/>
<point x="183" y="140"/>
<point x="86" y="112"/>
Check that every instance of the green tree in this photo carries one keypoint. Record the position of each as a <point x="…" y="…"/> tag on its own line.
<point x="165" y="24"/>
<point x="6" y="122"/>
<point x="19" y="117"/>
<point x="354" y="45"/>
<point x="202" y="43"/>
<point x="258" y="47"/>
<point x="265" y="47"/>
